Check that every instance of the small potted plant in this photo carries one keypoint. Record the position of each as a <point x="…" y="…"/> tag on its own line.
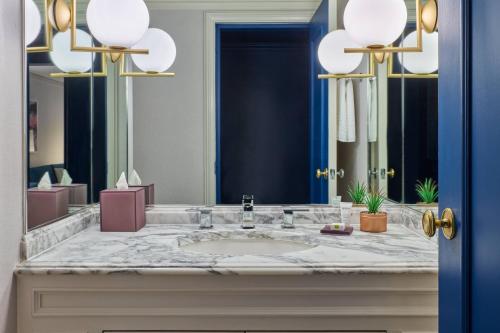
<point x="427" y="191"/>
<point x="357" y="193"/>
<point x="373" y="220"/>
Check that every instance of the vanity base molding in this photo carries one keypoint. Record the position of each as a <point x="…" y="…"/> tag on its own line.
<point x="394" y="303"/>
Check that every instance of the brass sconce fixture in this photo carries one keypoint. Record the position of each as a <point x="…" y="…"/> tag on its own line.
<point x="124" y="73"/>
<point x="47" y="33"/>
<point x="60" y="16"/>
<point x="102" y="73"/>
<point x="426" y="20"/>
<point x="370" y="74"/>
<point x="392" y="75"/>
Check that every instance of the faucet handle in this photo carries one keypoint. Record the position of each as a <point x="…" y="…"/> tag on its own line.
<point x="205" y="216"/>
<point x="287" y="222"/>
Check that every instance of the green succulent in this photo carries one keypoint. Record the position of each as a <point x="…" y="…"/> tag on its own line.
<point x="357" y="193"/>
<point x="374" y="201"/>
<point x="427" y="190"/>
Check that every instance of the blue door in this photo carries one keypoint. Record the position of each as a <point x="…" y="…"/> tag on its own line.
<point x="319" y="109"/>
<point x="469" y="165"/>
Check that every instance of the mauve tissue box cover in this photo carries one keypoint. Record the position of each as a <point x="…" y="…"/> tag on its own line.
<point x="123" y="210"/>
<point x="150" y="193"/>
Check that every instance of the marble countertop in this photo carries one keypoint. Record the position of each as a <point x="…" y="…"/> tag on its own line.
<point x="157" y="249"/>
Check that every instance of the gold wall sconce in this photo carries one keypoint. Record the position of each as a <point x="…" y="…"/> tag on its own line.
<point x="426" y="20"/>
<point x="392" y="75"/>
<point x="125" y="73"/>
<point x="60" y="16"/>
<point x="370" y="74"/>
<point x="47" y="47"/>
<point x="102" y="73"/>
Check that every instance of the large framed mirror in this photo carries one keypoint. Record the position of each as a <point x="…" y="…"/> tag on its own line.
<point x="241" y="111"/>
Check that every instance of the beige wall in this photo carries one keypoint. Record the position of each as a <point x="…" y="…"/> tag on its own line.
<point x="168" y="115"/>
<point x="49" y="94"/>
<point x="11" y="188"/>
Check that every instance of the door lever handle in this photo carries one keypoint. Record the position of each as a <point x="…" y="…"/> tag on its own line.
<point x="447" y="223"/>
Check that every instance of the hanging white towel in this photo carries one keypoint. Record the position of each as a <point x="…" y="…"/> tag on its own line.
<point x="351" y="112"/>
<point x="342" y="111"/>
<point x="372" y="110"/>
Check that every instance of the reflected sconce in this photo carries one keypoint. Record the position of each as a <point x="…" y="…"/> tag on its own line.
<point x="422" y="65"/>
<point x="376" y="25"/>
<point x="336" y="62"/>
<point x="117" y="30"/>
<point x="162" y="54"/>
<point x="117" y="24"/>
<point x="74" y="64"/>
<point x="33" y="25"/>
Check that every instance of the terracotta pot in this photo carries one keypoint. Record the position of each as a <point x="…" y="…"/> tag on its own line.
<point x="373" y="222"/>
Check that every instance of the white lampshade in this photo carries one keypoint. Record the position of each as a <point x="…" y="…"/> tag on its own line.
<point x="375" y="23"/>
<point x="162" y="51"/>
<point x="331" y="53"/>
<point x="117" y="23"/>
<point x="425" y="62"/>
<point x="68" y="61"/>
<point x="32" y="22"/>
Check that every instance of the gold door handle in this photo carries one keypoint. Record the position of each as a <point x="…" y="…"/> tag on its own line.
<point x="447" y="223"/>
<point x="323" y="173"/>
<point x="391" y="173"/>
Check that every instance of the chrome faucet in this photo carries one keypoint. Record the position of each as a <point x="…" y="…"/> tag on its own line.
<point x="247" y="214"/>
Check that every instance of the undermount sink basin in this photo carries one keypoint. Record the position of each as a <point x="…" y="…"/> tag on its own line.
<point x="238" y="247"/>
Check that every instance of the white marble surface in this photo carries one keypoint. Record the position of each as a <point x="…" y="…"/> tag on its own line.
<point x="38" y="240"/>
<point x="156" y="250"/>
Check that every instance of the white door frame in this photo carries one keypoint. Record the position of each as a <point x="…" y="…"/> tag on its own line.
<point x="211" y="20"/>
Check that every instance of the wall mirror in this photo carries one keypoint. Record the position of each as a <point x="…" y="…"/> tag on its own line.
<point x="64" y="160"/>
<point x="403" y="134"/>
<point x="245" y="113"/>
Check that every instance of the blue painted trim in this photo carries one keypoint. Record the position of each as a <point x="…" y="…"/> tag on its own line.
<point x="217" y="113"/>
<point x="318" y="109"/>
<point x="454" y="163"/>
<point x="257" y="26"/>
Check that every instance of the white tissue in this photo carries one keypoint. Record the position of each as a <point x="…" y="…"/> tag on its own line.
<point x="45" y="182"/>
<point x="122" y="184"/>
<point x="134" y="179"/>
<point x="65" y="178"/>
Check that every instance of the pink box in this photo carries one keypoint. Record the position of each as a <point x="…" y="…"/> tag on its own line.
<point x="123" y="210"/>
<point x="45" y="205"/>
<point x="150" y="193"/>
<point x="77" y="193"/>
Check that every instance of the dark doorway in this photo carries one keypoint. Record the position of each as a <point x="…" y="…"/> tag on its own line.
<point x="263" y="125"/>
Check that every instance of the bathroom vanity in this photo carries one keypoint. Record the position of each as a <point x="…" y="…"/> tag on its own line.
<point x="172" y="276"/>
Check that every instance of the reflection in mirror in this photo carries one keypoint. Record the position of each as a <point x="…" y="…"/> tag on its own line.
<point x="63" y="119"/>
<point x="246" y="114"/>
<point x="404" y="158"/>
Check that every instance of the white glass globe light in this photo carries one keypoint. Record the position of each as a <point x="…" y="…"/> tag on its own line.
<point x="331" y="53"/>
<point x="424" y="62"/>
<point x="68" y="61"/>
<point x="117" y="23"/>
<point x="162" y="51"/>
<point x="32" y="22"/>
<point x="375" y="23"/>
